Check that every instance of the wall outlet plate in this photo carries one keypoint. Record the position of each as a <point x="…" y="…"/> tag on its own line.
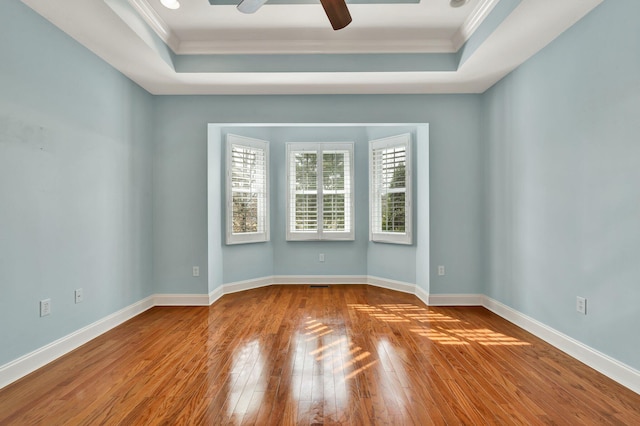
<point x="196" y="271"/>
<point x="441" y="270"/>
<point x="45" y="307"/>
<point x="581" y="305"/>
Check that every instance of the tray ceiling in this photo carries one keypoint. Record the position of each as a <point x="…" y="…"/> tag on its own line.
<point x="425" y="47"/>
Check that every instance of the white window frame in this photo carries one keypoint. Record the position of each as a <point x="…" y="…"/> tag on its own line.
<point x="320" y="234"/>
<point x="376" y="190"/>
<point x="263" y="233"/>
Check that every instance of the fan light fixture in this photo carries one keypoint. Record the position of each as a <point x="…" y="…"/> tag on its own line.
<point x="250" y="6"/>
<point x="457" y="3"/>
<point x="170" y="4"/>
<point x="336" y="10"/>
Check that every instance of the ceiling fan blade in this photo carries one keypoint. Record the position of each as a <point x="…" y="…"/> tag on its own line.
<point x="337" y="13"/>
<point x="250" y="6"/>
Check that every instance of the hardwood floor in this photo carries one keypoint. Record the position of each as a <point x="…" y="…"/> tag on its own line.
<point x="285" y="355"/>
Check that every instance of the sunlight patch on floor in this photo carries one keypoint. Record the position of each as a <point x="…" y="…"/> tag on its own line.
<point x="435" y="325"/>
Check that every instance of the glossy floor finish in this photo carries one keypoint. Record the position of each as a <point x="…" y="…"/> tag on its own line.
<point x="285" y="355"/>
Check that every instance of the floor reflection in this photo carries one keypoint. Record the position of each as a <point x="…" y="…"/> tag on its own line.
<point x="246" y="380"/>
<point x="290" y="355"/>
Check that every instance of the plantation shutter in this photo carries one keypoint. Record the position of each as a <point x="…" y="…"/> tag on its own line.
<point x="320" y="199"/>
<point x="390" y="195"/>
<point x="304" y="208"/>
<point x="247" y="190"/>
<point x="336" y="188"/>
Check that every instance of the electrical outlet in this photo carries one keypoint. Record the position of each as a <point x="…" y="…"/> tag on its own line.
<point x="321" y="257"/>
<point x="196" y="271"/>
<point x="441" y="270"/>
<point x="78" y="295"/>
<point x="581" y="305"/>
<point x="45" y="307"/>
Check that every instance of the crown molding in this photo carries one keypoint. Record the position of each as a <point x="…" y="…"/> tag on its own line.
<point x="298" y="46"/>
<point x="157" y="24"/>
<point x="286" y="45"/>
<point x="473" y="21"/>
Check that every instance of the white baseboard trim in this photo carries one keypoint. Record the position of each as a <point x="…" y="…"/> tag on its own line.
<point x="30" y="362"/>
<point x="319" y="279"/>
<point x="422" y="294"/>
<point x="181" y="300"/>
<point x="455" y="300"/>
<point x="215" y="295"/>
<point x="612" y="368"/>
<point x="237" y="286"/>
<point x="391" y="284"/>
<point x="616" y="370"/>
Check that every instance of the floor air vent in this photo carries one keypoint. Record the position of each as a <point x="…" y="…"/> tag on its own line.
<point x="319" y="286"/>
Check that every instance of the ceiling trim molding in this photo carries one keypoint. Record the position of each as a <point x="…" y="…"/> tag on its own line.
<point x="312" y="63"/>
<point x="471" y="24"/>
<point x="140" y="52"/>
<point x="204" y="47"/>
<point x="292" y="46"/>
<point x="156" y="23"/>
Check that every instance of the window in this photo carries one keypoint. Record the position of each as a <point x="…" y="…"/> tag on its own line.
<point x="247" y="190"/>
<point x="320" y="195"/>
<point x="390" y="189"/>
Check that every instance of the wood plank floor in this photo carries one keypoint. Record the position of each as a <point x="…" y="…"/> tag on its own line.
<point x="285" y="355"/>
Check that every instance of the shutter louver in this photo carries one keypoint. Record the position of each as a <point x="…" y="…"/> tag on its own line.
<point x="320" y="180"/>
<point x="335" y="208"/>
<point x="305" y="178"/>
<point x="248" y="191"/>
<point x="389" y="194"/>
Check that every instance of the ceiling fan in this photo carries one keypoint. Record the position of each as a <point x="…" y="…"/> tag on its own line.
<point x="336" y="10"/>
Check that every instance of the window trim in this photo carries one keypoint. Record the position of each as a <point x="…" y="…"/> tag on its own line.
<point x="377" y="235"/>
<point x="246" y="237"/>
<point x="320" y="234"/>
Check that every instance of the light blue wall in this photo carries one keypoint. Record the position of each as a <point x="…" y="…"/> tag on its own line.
<point x="422" y="207"/>
<point x="180" y="187"/>
<point x="75" y="184"/>
<point x="281" y="257"/>
<point x="215" y="235"/>
<point x="394" y="261"/>
<point x="246" y="261"/>
<point x="104" y="187"/>
<point x="301" y="257"/>
<point x="562" y="182"/>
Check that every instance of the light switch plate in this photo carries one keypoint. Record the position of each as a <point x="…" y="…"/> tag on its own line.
<point x="581" y="305"/>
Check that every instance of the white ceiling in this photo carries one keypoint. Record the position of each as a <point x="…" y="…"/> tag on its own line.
<point x="148" y="42"/>
<point x="429" y="26"/>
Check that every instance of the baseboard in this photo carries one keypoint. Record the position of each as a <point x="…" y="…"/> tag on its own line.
<point x="422" y="294"/>
<point x="612" y="368"/>
<point x="237" y="286"/>
<point x="319" y="279"/>
<point x="215" y="295"/>
<point x="455" y="300"/>
<point x="620" y="372"/>
<point x="30" y="362"/>
<point x="391" y="284"/>
<point x="234" y="287"/>
<point x="181" y="300"/>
